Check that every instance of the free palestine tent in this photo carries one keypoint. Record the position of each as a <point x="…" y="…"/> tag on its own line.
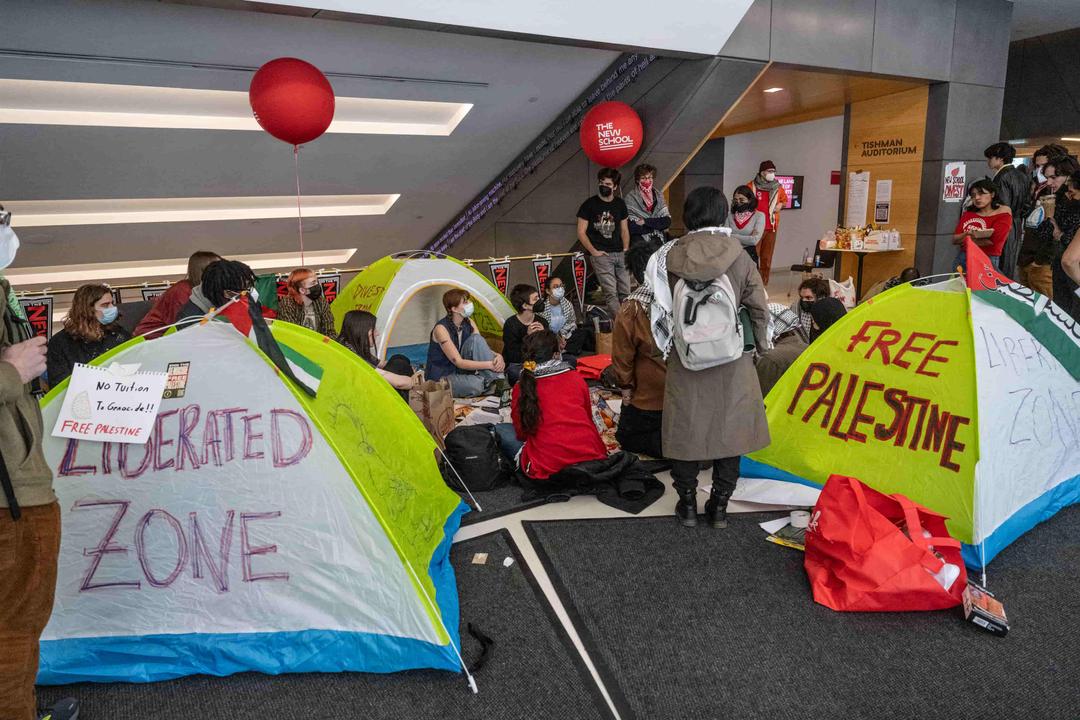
<point x="258" y="529"/>
<point x="404" y="291"/>
<point x="966" y="401"/>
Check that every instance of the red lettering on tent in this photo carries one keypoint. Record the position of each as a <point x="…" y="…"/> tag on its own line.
<point x="68" y="468"/>
<point x="931" y="357"/>
<point x="158" y="440"/>
<point x="280" y="458"/>
<point x="199" y="549"/>
<point x="250" y="436"/>
<point x="105" y="547"/>
<point x="859" y="417"/>
<point x="826" y="399"/>
<point x="140" y="548"/>
<point x="189" y="420"/>
<point x="950" y="443"/>
<point x="148" y="455"/>
<point x="806" y="383"/>
<point x="247" y="551"/>
<point x="910" y="346"/>
<point x="895" y="400"/>
<point x="834" y="429"/>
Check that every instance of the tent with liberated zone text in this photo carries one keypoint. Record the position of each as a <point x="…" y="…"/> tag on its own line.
<point x="964" y="397"/>
<point x="259" y="529"/>
<point x="404" y="291"/>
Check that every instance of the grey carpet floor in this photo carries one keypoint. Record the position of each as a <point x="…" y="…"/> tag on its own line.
<point x="533" y="671"/>
<point x="702" y="623"/>
<point x="496" y="503"/>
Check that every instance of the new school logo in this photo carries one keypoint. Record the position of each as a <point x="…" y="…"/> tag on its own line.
<point x="609" y="137"/>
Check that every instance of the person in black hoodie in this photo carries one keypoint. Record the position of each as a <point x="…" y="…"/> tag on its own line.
<point x="90" y="329"/>
<point x="1013" y="187"/>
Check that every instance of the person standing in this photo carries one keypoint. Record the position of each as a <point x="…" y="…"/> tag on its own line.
<point x="603" y="231"/>
<point x="1039" y="253"/>
<point x="649" y="215"/>
<point x="638" y="368"/>
<point x="1066" y="267"/>
<point x="166" y="308"/>
<point x="90" y="329"/>
<point x="747" y="222"/>
<point x="771" y="198"/>
<point x="714" y="414"/>
<point x="29" y="512"/>
<point x="986" y="213"/>
<point x="305" y="304"/>
<point x="1013" y="187"/>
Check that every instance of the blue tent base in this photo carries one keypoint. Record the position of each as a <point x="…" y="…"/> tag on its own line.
<point x="152" y="658"/>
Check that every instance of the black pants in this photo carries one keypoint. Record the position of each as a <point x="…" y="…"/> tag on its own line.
<point x="399" y="365"/>
<point x="575" y="344"/>
<point x="639" y="430"/>
<point x="725" y="473"/>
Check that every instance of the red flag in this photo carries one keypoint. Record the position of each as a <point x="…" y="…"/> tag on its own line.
<point x="981" y="274"/>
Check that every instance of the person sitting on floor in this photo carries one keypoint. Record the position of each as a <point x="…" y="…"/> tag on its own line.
<point x="825" y="312"/>
<point x="638" y="367"/>
<point x="527" y="321"/>
<point x="552" y="413"/>
<point x="358" y="334"/>
<point x="906" y="275"/>
<point x="457" y="351"/>
<point x="561" y="319"/>
<point x="788" y="343"/>
<point x="811" y="290"/>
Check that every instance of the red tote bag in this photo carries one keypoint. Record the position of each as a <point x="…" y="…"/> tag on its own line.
<point x="859" y="558"/>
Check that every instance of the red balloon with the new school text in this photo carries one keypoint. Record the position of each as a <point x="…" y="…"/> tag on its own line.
<point x="292" y="100"/>
<point x="611" y="134"/>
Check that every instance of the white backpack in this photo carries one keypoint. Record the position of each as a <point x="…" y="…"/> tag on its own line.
<point x="707" y="327"/>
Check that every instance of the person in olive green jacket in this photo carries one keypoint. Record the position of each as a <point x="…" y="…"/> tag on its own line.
<point x="29" y="512"/>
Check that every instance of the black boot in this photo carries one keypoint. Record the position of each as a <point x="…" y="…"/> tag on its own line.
<point x="716" y="511"/>
<point x="686" y="509"/>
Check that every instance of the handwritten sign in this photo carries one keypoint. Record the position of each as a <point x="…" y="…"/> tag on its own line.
<point x="955" y="181"/>
<point x="114" y="404"/>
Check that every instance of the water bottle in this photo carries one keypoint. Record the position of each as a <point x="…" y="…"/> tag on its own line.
<point x="806" y="260"/>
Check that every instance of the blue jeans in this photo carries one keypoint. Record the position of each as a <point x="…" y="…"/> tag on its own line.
<point x="470" y="383"/>
<point x="961" y="260"/>
<point x="508" y="442"/>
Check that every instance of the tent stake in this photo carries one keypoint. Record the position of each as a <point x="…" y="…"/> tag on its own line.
<point x="471" y="496"/>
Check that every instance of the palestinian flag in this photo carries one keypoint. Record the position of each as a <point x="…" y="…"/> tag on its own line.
<point x="246" y="316"/>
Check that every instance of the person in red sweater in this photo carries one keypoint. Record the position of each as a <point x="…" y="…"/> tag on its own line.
<point x="984" y="213"/>
<point x="552" y="411"/>
<point x="167" y="306"/>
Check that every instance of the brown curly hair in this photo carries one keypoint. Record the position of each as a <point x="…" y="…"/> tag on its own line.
<point x="82" y="322"/>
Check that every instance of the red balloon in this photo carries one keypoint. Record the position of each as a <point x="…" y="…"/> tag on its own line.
<point x="292" y="100"/>
<point x="611" y="134"/>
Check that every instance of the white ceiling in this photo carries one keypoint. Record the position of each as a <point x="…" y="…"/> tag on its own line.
<point x="676" y="26"/>
<point x="515" y="90"/>
<point x="1042" y="17"/>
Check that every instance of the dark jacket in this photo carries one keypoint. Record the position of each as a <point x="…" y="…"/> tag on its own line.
<point x="196" y="306"/>
<point x="21" y="428"/>
<point x="620" y="480"/>
<point x="293" y="312"/>
<point x="65" y="350"/>
<point x="772" y="365"/>
<point x="1013" y="189"/>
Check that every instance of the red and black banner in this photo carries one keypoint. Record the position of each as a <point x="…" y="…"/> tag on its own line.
<point x="282" y="287"/>
<point x="149" y="293"/>
<point x="542" y="271"/>
<point x="39" y="312"/>
<point x="330" y="286"/>
<point x="116" y="296"/>
<point x="580" y="273"/>
<point x="500" y="274"/>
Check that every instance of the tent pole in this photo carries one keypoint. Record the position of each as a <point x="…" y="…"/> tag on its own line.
<point x="471" y="496"/>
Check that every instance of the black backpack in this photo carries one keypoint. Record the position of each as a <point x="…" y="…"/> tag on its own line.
<point x="474" y="452"/>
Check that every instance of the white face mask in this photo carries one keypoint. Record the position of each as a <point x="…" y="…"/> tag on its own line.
<point x="770" y="176"/>
<point x="467" y="310"/>
<point x="558" y="293"/>
<point x="9" y="245"/>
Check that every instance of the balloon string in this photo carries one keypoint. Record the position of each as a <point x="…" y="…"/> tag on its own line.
<point x="299" y="213"/>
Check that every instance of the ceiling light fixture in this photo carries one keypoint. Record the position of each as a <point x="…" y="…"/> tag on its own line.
<point x="1071" y="139"/>
<point x="47" y="213"/>
<point x="59" y="275"/>
<point x="773" y="89"/>
<point x="1018" y="142"/>
<point x="45" y="102"/>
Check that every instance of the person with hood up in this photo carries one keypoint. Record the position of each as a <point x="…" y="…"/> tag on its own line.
<point x="771" y="198"/>
<point x="788" y="342"/>
<point x="825" y="312"/>
<point x="715" y="414"/>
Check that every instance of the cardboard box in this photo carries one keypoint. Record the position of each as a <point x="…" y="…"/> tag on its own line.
<point x="983" y="609"/>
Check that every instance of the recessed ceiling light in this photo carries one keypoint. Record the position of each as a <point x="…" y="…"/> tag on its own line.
<point x="1017" y="142"/>
<point x="37" y="213"/>
<point x="44" y="102"/>
<point x="1071" y="139"/>
<point x="773" y="90"/>
<point x="59" y="275"/>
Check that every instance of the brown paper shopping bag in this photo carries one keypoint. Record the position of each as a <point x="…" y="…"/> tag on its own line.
<point x="433" y="403"/>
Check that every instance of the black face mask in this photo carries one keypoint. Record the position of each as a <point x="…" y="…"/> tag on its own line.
<point x="315" y="291"/>
<point x="606" y="192"/>
<point x="539" y="306"/>
<point x="805" y="305"/>
<point x="742" y="207"/>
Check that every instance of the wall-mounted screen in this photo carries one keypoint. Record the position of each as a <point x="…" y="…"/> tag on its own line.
<point x="793" y="187"/>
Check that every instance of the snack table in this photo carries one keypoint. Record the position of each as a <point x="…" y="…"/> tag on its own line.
<point x="860" y="254"/>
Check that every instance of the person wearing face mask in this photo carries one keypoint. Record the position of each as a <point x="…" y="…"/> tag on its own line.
<point x="90" y="329"/>
<point x="1039" y="254"/>
<point x="527" y="321"/>
<point x="825" y="313"/>
<point x="1013" y="190"/>
<point x="603" y="231"/>
<point x="29" y="513"/>
<point x="561" y="319"/>
<point x="771" y="198"/>
<point x="305" y="303"/>
<point x="810" y="290"/>
<point x="457" y="351"/>
<point x="747" y="222"/>
<point x="649" y="215"/>
<point x="358" y="335"/>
